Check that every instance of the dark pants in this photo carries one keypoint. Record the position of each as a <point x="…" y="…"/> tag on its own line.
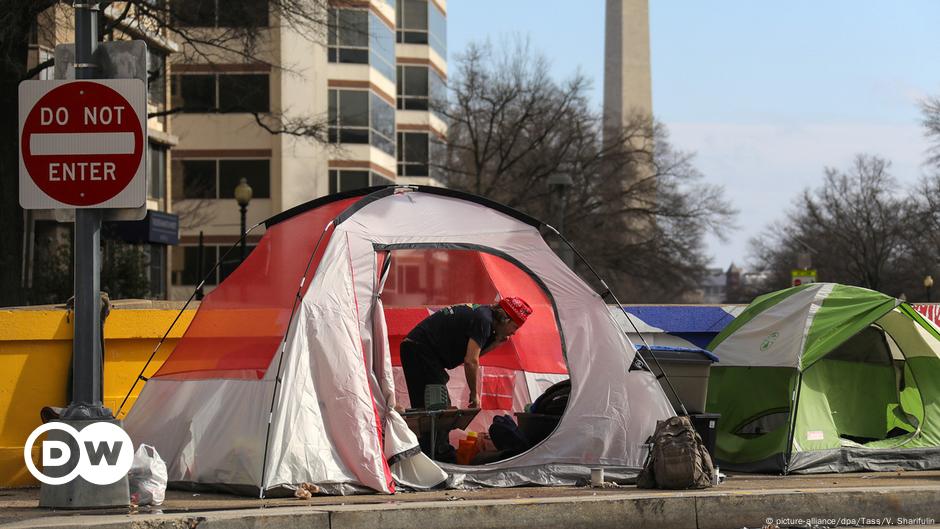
<point x="421" y="368"/>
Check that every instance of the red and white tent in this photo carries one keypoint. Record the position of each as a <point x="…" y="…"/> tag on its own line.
<point x="285" y="375"/>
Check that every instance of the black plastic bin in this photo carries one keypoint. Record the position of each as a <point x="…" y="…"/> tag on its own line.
<point x="706" y="424"/>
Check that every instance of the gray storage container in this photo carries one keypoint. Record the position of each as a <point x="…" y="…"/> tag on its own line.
<point x="687" y="369"/>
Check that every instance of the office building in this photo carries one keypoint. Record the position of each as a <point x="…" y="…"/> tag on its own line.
<point x="368" y="86"/>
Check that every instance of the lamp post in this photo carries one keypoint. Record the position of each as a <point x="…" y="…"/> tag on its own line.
<point x="928" y="285"/>
<point x="558" y="185"/>
<point x="243" y="197"/>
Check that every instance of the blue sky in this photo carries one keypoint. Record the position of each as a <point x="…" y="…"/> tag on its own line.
<point x="766" y="94"/>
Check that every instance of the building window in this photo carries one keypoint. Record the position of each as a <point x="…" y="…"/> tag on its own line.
<point x="194" y="93"/>
<point x="227" y="93"/>
<point x="421" y="22"/>
<point x="359" y="36"/>
<point x="211" y="179"/>
<point x="196" y="178"/>
<point x="438" y="89"/>
<point x="156" y="188"/>
<point x="356" y="179"/>
<point x="348" y="180"/>
<point x="219" y="13"/>
<point x="198" y="13"/>
<point x="380" y="180"/>
<point x="360" y="116"/>
<point x="437" y="30"/>
<point x="244" y="93"/>
<point x="348" y="36"/>
<point x="256" y="172"/>
<point x="192" y="270"/>
<point x="186" y="263"/>
<point x="413" y="154"/>
<point x="383" y="124"/>
<point x="412" y="21"/>
<point x="412" y="88"/>
<point x="382" y="47"/>
<point x="349" y="116"/>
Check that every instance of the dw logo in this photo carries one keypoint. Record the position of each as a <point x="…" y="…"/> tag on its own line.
<point x="105" y="453"/>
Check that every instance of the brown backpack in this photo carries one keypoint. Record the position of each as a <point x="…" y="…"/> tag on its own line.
<point x="677" y="458"/>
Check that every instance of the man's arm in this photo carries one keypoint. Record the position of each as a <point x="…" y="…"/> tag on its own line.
<point x="471" y="368"/>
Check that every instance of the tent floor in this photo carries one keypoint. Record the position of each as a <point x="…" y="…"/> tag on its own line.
<point x="743" y="500"/>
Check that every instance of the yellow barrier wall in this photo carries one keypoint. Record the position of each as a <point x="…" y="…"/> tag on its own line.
<point x="35" y="355"/>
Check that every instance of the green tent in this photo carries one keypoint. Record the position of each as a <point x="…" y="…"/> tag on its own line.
<point x="827" y="378"/>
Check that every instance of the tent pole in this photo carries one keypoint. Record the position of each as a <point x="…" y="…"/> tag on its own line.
<point x="196" y="291"/>
<point x="609" y="292"/>
<point x="796" y="408"/>
<point x="280" y="358"/>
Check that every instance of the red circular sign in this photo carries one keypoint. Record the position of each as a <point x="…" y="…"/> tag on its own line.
<point x="82" y="143"/>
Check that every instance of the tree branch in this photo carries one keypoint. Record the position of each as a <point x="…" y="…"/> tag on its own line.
<point x="34" y="71"/>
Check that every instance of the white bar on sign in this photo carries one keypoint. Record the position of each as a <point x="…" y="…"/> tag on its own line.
<point x="82" y="143"/>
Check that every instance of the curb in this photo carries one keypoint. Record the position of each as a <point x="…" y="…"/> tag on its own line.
<point x="897" y="506"/>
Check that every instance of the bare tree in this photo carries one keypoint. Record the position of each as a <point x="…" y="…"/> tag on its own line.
<point x="16" y="19"/>
<point x="636" y="208"/>
<point x="858" y="228"/>
<point x="243" y="37"/>
<point x="930" y="113"/>
<point x="927" y="194"/>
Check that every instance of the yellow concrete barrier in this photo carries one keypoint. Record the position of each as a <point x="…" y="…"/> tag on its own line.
<point x="35" y="356"/>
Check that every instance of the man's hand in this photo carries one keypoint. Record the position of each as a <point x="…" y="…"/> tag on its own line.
<point x="474" y="403"/>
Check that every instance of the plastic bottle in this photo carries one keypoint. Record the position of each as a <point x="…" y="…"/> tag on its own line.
<point x="468" y="449"/>
<point x="475" y="437"/>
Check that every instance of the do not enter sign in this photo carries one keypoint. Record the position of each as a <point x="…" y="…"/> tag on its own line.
<point x="82" y="144"/>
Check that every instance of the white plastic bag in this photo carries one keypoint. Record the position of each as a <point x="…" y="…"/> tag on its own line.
<point x="147" y="477"/>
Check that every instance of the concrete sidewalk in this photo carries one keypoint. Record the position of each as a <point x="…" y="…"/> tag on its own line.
<point x="896" y="499"/>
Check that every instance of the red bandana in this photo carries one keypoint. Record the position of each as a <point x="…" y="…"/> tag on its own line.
<point x="517" y="309"/>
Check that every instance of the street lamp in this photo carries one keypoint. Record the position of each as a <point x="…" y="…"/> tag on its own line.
<point x="243" y="197"/>
<point x="928" y="284"/>
<point x="558" y="184"/>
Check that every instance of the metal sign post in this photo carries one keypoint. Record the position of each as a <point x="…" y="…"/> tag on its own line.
<point x="86" y="344"/>
<point x="83" y="146"/>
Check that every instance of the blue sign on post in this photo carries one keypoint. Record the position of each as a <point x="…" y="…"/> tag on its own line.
<point x="157" y="227"/>
<point x="163" y="228"/>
